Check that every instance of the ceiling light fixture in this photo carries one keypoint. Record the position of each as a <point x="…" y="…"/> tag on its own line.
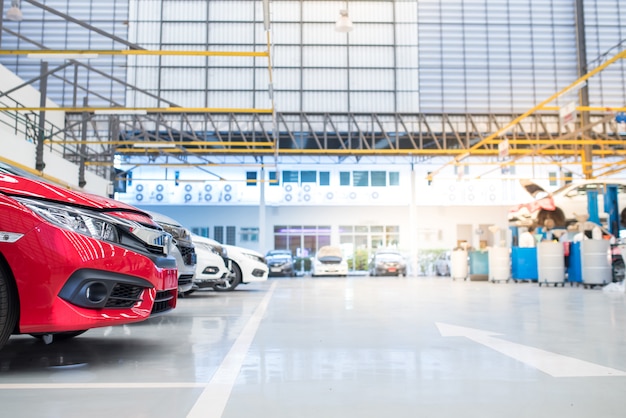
<point x="15" y="13"/>
<point x="344" y="24"/>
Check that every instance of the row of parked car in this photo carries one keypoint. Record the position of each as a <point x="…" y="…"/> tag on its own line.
<point x="206" y="263"/>
<point x="329" y="261"/>
<point x="71" y="261"/>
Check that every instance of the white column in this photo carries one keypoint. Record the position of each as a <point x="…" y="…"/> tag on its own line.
<point x="263" y="246"/>
<point x="413" y="247"/>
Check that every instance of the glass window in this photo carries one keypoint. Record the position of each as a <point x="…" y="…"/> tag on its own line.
<point x="568" y="176"/>
<point x="303" y="241"/>
<point x="231" y="238"/>
<point x="346" y="229"/>
<point x="552" y="177"/>
<point x="281" y="241"/>
<point x="379" y="178"/>
<point x="394" y="178"/>
<point x="249" y="234"/>
<point x="203" y="231"/>
<point x="360" y="178"/>
<point x="291" y="176"/>
<point x="274" y="179"/>
<point x="324" y="178"/>
<point x="251" y="178"/>
<point x="218" y="233"/>
<point x="344" y="178"/>
<point x="308" y="176"/>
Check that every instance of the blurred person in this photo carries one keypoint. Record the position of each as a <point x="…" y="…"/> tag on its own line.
<point x="527" y="239"/>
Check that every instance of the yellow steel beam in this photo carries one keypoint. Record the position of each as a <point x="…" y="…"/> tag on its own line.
<point x="474" y="148"/>
<point x="174" y="165"/>
<point x="91" y="52"/>
<point x="556" y="141"/>
<point x="205" y="164"/>
<point x="129" y="110"/>
<point x="157" y="144"/>
<point x="614" y="171"/>
<point x="402" y="152"/>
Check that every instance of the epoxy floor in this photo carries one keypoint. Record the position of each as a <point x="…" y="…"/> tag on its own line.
<point x="339" y="347"/>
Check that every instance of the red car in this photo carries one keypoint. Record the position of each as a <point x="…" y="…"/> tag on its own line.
<point x="71" y="261"/>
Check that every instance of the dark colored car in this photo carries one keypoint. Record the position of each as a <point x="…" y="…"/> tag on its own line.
<point x="443" y="265"/>
<point x="387" y="263"/>
<point x="72" y="261"/>
<point x="280" y="263"/>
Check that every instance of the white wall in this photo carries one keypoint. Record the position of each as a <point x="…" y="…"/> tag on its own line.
<point x="16" y="147"/>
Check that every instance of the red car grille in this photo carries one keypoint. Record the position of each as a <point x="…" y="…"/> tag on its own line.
<point x="124" y="296"/>
<point x="164" y="301"/>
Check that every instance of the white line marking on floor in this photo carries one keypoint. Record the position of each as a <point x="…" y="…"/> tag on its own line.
<point x="212" y="401"/>
<point x="556" y="365"/>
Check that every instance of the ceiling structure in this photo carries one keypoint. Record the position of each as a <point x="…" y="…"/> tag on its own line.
<point x="94" y="136"/>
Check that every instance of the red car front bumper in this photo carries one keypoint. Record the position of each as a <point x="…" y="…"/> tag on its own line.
<point x="67" y="281"/>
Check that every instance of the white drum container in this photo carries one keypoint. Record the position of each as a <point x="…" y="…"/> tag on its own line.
<point x="499" y="264"/>
<point x="459" y="268"/>
<point x="550" y="262"/>
<point x="596" y="262"/>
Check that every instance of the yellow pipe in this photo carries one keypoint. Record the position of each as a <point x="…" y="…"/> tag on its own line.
<point x="91" y="52"/>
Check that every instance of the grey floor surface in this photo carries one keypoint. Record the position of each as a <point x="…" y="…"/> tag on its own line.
<point x="339" y="347"/>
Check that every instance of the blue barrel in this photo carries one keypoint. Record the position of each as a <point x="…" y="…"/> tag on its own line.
<point x="524" y="264"/>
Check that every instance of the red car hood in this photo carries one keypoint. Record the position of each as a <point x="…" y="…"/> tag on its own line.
<point x="21" y="186"/>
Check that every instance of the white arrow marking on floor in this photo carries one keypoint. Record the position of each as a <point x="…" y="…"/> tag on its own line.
<point x="555" y="365"/>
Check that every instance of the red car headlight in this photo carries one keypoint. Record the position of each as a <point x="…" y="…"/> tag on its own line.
<point x="97" y="225"/>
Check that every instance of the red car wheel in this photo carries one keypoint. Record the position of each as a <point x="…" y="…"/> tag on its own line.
<point x="8" y="306"/>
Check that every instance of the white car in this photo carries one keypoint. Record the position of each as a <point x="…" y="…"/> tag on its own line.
<point x="211" y="267"/>
<point x="244" y="265"/>
<point x="184" y="251"/>
<point x="329" y="261"/>
<point x="563" y="205"/>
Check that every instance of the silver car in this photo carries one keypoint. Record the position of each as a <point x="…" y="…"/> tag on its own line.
<point x="183" y="250"/>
